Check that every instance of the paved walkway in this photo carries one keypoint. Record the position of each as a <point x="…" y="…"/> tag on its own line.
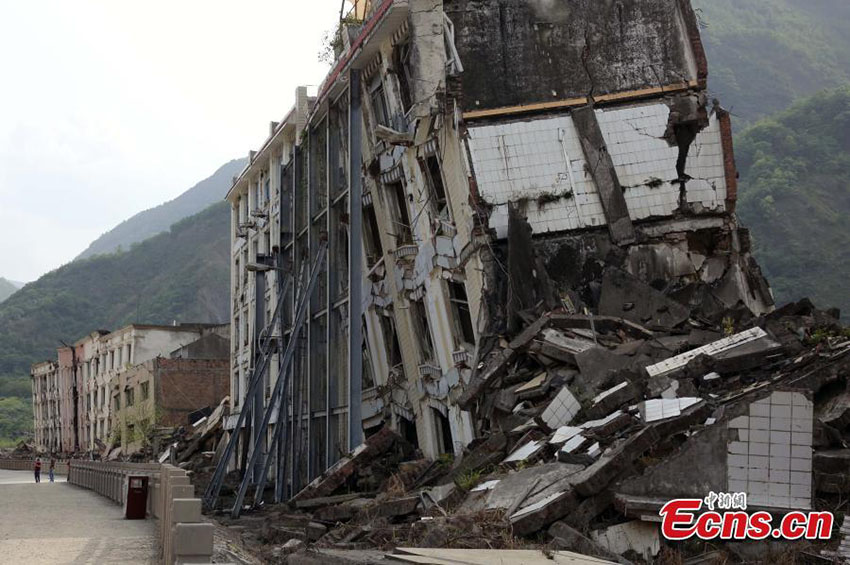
<point x="60" y="523"/>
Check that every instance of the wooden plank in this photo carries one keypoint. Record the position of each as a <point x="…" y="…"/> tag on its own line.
<point x="582" y="101"/>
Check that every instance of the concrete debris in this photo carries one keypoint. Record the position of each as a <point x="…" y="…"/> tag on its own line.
<point x="561" y="411"/>
<point x="563" y="434"/>
<point x="581" y="466"/>
<point x="565" y="536"/>
<point x="430" y="556"/>
<point x="578" y="453"/>
<point x="663" y="408"/>
<point x="563" y="327"/>
<point x="712" y="350"/>
<point x="489" y="485"/>
<point x="639" y="537"/>
<point x="524" y="452"/>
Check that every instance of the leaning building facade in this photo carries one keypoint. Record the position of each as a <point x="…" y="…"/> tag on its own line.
<point x="462" y="163"/>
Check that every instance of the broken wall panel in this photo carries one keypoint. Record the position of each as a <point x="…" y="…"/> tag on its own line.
<point x="540" y="162"/>
<point x="764" y="449"/>
<point x="770" y="451"/>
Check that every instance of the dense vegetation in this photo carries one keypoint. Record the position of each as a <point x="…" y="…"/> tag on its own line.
<point x="15" y="420"/>
<point x="151" y="222"/>
<point x="764" y="54"/>
<point x="6" y="289"/>
<point x="182" y="275"/>
<point x="795" y="177"/>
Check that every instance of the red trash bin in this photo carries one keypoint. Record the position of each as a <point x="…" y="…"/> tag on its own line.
<point x="137" y="498"/>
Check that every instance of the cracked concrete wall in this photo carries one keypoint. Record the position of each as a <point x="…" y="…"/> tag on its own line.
<point x="540" y="161"/>
<point x="428" y="57"/>
<point x="677" y="476"/>
<point x="419" y="274"/>
<point x="540" y="50"/>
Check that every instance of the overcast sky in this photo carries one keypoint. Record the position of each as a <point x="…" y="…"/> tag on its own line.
<point x="111" y="107"/>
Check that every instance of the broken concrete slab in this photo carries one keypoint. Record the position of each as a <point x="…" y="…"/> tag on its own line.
<point x="511" y="488"/>
<point x="319" y="502"/>
<point x="563" y="434"/>
<point x="536" y="516"/>
<point x="315" y="530"/>
<point x="836" y="411"/>
<point x="626" y="296"/>
<point x="592" y="480"/>
<point x="495" y="366"/>
<point x="433" y="556"/>
<point x="560" y="347"/>
<point x="395" y="507"/>
<point x="832" y="471"/>
<point x="489" y="452"/>
<point x="566" y="537"/>
<point x="599" y="365"/>
<point x="713" y="349"/>
<point x="663" y="408"/>
<point x="562" y="410"/>
<point x="525" y="451"/>
<point x="605" y="324"/>
<point x="610" y="400"/>
<point x="572" y="445"/>
<point x="336" y="513"/>
<point x="637" y="536"/>
<point x="609" y="425"/>
<point x="533" y="388"/>
<point x="334" y="477"/>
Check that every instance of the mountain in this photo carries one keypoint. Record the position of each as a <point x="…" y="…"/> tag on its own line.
<point x="181" y="274"/>
<point x="155" y="220"/>
<point x="764" y="54"/>
<point x="7" y="288"/>
<point x="795" y="197"/>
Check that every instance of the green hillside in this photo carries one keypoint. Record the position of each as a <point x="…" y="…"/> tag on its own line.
<point x="158" y="219"/>
<point x="182" y="275"/>
<point x="795" y="179"/>
<point x="764" y="54"/>
<point x="6" y="289"/>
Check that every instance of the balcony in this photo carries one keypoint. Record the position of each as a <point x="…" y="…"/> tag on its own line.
<point x="407" y="252"/>
<point x="430" y="370"/>
<point x="461" y="357"/>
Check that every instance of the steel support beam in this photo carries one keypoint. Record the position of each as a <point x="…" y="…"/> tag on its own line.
<point x="259" y="322"/>
<point x="300" y="315"/>
<point x="267" y="348"/>
<point x="355" y="270"/>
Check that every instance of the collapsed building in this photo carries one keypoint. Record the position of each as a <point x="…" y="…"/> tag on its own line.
<point x="111" y="388"/>
<point x="463" y="163"/>
<point x="502" y="235"/>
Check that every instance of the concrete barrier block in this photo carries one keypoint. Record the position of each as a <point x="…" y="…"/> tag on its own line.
<point x="182" y="491"/>
<point x="186" y="510"/>
<point x="193" y="540"/>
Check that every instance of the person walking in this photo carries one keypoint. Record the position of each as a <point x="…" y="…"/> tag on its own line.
<point x="52" y="468"/>
<point x="37" y="469"/>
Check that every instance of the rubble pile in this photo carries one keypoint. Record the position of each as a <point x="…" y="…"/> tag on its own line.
<point x="196" y="448"/>
<point x="22" y="450"/>
<point x="588" y="424"/>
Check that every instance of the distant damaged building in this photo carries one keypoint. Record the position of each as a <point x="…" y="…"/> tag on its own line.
<point x="465" y="166"/>
<point x="112" y="389"/>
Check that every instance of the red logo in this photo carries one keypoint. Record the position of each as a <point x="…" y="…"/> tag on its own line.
<point x="681" y="519"/>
